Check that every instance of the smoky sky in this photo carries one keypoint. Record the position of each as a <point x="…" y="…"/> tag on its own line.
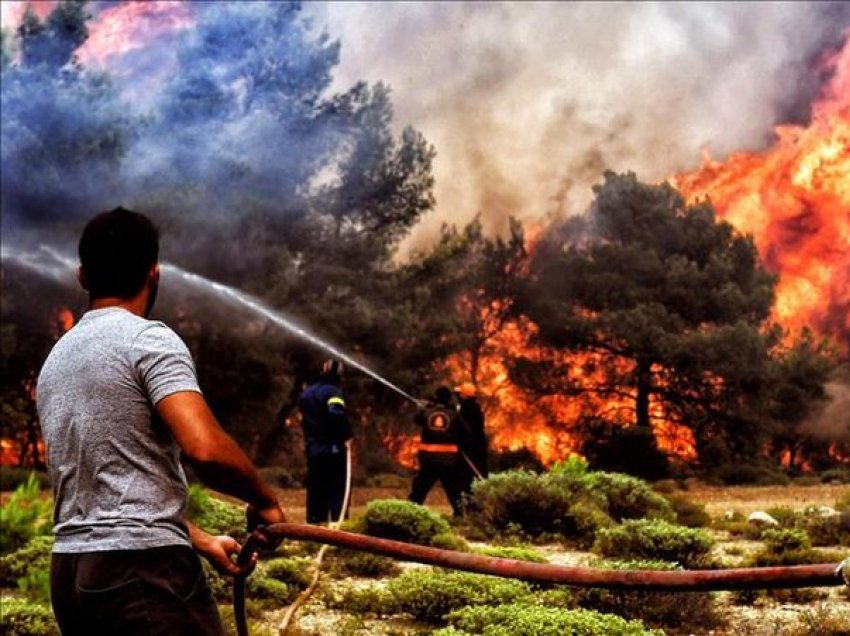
<point x="527" y="103"/>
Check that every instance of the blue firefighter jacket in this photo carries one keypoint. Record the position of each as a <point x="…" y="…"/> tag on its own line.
<point x="324" y="419"/>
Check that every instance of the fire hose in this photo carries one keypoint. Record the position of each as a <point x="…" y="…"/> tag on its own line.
<point x="822" y="575"/>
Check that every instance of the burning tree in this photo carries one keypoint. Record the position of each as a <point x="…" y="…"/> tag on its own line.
<point x="673" y="306"/>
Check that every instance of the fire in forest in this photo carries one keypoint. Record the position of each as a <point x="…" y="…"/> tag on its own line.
<point x="793" y="198"/>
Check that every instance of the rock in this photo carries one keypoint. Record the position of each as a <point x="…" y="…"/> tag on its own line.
<point x="760" y="518"/>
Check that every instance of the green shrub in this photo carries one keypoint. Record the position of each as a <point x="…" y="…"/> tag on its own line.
<point x="629" y="497"/>
<point x="35" y="585"/>
<point x="569" y="502"/>
<point x="655" y="539"/>
<point x="537" y="507"/>
<point x="35" y="555"/>
<point x="689" y="513"/>
<point x="215" y="515"/>
<point x="656" y="609"/>
<point x="450" y="541"/>
<point x="269" y="592"/>
<point x="535" y="620"/>
<point x="828" y="531"/>
<point x="293" y="572"/>
<point x="24" y="516"/>
<point x="429" y="595"/>
<point x="13" y="476"/>
<point x="785" y="546"/>
<point x="355" y="563"/>
<point x="787" y="517"/>
<point x="19" y="617"/>
<point x="403" y="521"/>
<point x="364" y="600"/>
<point x="519" y="553"/>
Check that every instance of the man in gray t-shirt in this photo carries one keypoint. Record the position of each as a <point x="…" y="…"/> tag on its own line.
<point x="118" y="401"/>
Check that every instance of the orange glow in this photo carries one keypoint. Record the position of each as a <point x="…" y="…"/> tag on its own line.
<point x="794" y="199"/>
<point x="64" y="320"/>
<point x="547" y="425"/>
<point x="131" y="26"/>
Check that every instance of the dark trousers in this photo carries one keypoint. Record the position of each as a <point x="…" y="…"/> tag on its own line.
<point x="325" y="487"/>
<point x="442" y="467"/>
<point x="159" y="591"/>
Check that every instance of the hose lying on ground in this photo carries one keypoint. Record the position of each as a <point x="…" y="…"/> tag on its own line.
<point x="649" y="580"/>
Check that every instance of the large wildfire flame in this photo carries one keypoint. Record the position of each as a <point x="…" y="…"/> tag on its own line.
<point x="794" y="199"/>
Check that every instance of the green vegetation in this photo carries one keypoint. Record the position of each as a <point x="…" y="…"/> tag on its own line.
<point x="34" y="555"/>
<point x="20" y="617"/>
<point x="655" y="539"/>
<point x="513" y="552"/>
<point x="343" y="563"/>
<point x="534" y="620"/>
<point x="656" y="609"/>
<point x="785" y="546"/>
<point x="214" y="515"/>
<point x="403" y="521"/>
<point x="569" y="503"/>
<point x="25" y="515"/>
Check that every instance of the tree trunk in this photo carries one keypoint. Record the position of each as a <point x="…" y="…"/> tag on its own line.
<point x="644" y="387"/>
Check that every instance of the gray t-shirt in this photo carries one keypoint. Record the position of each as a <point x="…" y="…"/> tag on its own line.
<point x="114" y="466"/>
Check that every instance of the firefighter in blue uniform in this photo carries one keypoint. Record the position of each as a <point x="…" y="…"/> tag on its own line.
<point x="327" y="433"/>
<point x="439" y="453"/>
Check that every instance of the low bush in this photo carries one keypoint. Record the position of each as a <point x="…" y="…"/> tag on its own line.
<point x="656" y="609"/>
<point x="35" y="585"/>
<point x="295" y="572"/>
<point x="19" y="617"/>
<point x="268" y="592"/>
<point x="655" y="539"/>
<point x="568" y="503"/>
<point x="35" y="555"/>
<point x="628" y="497"/>
<point x="215" y="515"/>
<point x="344" y="563"/>
<point x="364" y="600"/>
<point x="450" y="541"/>
<point x="25" y="515"/>
<point x="428" y="595"/>
<point x="829" y="531"/>
<point x="785" y="546"/>
<point x="515" y="552"/>
<point x="403" y="521"/>
<point x="524" y="505"/>
<point x="535" y="620"/>
<point x="689" y="513"/>
<point x="13" y="476"/>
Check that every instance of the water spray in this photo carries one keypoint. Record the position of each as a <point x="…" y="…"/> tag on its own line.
<point x="57" y="266"/>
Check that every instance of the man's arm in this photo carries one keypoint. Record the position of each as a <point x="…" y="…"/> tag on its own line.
<point x="214" y="455"/>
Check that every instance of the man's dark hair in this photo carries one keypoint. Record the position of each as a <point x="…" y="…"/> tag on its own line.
<point x="117" y="250"/>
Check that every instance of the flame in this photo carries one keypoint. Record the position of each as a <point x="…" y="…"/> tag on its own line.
<point x="131" y="26"/>
<point x="794" y="199"/>
<point x="547" y="426"/>
<point x="64" y="320"/>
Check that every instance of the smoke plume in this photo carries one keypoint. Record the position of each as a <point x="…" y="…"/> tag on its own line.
<point x="528" y="102"/>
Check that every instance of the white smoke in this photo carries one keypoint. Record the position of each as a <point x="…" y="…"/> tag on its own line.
<point x="527" y="103"/>
<point x="832" y="422"/>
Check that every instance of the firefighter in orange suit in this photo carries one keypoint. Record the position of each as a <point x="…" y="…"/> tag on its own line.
<point x="439" y="457"/>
